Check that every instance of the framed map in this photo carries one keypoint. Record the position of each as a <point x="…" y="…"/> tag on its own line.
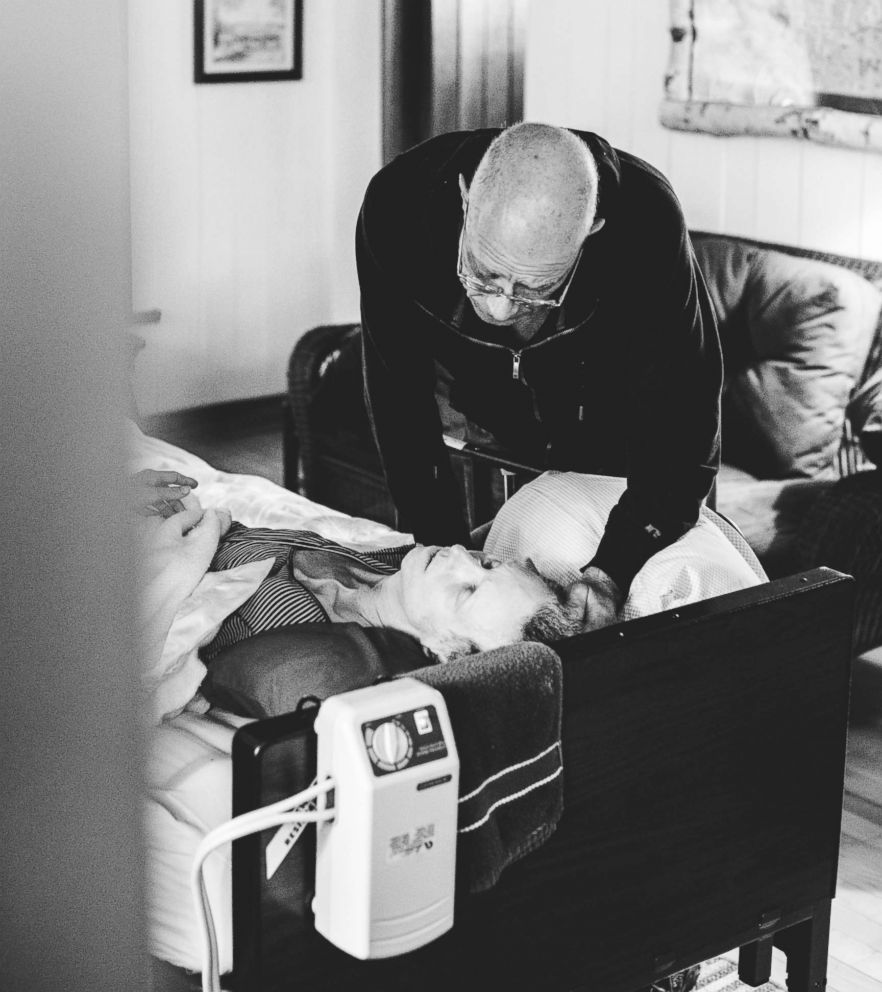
<point x="809" y="69"/>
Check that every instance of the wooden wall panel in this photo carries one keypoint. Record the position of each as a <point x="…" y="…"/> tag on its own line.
<point x="778" y="190"/>
<point x="695" y="170"/>
<point x="244" y="201"/>
<point x="738" y="206"/>
<point x="551" y="71"/>
<point x="618" y="74"/>
<point x="826" y="218"/>
<point x="871" y="207"/>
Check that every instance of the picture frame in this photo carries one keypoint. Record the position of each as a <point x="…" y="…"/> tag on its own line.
<point x="247" y="41"/>
<point x="805" y="69"/>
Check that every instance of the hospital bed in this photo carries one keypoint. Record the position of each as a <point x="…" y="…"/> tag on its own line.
<point x="703" y="755"/>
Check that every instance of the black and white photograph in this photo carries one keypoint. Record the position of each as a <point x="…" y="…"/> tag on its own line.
<point x="442" y="496"/>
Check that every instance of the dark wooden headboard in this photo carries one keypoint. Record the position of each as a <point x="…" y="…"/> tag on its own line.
<point x="704" y="754"/>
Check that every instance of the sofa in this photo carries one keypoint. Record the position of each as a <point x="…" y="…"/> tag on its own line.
<point x="801" y="333"/>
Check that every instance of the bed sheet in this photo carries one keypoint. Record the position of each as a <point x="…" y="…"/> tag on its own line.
<point x="256" y="501"/>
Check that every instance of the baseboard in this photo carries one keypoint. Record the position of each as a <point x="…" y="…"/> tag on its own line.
<point x="233" y="417"/>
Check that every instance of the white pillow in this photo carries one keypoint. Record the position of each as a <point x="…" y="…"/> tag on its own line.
<point x="174" y="680"/>
<point x="558" y="519"/>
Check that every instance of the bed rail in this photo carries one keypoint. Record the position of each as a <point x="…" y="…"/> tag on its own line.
<point x="704" y="755"/>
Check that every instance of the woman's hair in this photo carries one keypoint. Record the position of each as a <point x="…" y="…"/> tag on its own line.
<point x="553" y="621"/>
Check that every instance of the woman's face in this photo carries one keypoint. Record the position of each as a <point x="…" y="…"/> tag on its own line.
<point x="455" y="598"/>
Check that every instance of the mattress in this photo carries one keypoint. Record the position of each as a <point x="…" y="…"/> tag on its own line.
<point x="189" y="792"/>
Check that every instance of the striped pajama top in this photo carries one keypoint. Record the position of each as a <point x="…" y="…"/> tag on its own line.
<point x="281" y="599"/>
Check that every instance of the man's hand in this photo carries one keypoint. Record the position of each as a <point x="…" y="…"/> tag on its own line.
<point x="153" y="493"/>
<point x="602" y="598"/>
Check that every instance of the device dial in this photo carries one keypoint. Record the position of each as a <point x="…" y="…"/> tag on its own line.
<point x="391" y="745"/>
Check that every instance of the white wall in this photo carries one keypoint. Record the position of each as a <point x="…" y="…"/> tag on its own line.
<point x="244" y="200"/>
<point x="600" y="66"/>
<point x="71" y="862"/>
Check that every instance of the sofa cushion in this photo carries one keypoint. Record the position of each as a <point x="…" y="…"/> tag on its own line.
<point x="796" y="333"/>
<point x="769" y="514"/>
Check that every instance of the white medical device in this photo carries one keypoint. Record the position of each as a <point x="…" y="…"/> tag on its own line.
<point x="386" y="793"/>
<point x="385" y="864"/>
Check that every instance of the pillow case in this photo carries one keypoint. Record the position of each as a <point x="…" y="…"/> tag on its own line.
<point x="796" y="333"/>
<point x="268" y="674"/>
<point x="174" y="680"/>
<point x="558" y="519"/>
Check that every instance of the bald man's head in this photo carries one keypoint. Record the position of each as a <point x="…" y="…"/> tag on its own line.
<point x="531" y="205"/>
<point x="535" y="188"/>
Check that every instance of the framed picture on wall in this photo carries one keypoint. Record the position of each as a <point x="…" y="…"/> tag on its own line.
<point x="241" y="41"/>
<point x="807" y="69"/>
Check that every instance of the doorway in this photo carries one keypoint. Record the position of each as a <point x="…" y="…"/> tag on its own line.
<point x="450" y="65"/>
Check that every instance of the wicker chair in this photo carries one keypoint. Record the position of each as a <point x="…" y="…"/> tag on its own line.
<point x="329" y="451"/>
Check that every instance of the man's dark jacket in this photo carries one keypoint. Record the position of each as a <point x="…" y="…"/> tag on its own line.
<point x="623" y="380"/>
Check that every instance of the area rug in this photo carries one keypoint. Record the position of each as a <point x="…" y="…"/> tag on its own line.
<point x="721" y="975"/>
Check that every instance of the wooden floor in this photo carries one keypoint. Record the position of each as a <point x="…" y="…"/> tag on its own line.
<point x="247" y="438"/>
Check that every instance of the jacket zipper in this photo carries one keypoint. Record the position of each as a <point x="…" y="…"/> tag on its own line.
<point x="515" y="354"/>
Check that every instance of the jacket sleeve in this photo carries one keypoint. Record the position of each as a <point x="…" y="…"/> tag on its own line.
<point x="399" y="382"/>
<point x="673" y="432"/>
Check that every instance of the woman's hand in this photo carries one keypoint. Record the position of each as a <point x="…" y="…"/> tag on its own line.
<point x="179" y="548"/>
<point x="175" y="555"/>
<point x="153" y="493"/>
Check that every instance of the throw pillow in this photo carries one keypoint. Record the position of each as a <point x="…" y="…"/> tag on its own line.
<point x="796" y="333"/>
<point x="557" y="522"/>
<point x="268" y="674"/>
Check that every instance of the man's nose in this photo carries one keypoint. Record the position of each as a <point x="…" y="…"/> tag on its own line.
<point x="500" y="307"/>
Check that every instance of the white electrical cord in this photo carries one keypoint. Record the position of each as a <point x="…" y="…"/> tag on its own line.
<point x="274" y="815"/>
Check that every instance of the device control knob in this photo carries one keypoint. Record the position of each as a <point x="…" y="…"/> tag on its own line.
<point x="391" y="743"/>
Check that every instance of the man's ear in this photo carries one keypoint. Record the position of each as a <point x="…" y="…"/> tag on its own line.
<point x="463" y="191"/>
<point x="597" y="225"/>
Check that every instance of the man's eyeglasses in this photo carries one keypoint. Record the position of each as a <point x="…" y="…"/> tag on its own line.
<point x="474" y="287"/>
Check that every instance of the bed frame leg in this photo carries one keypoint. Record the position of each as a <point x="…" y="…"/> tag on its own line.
<point x="806" y="945"/>
<point x="755" y="961"/>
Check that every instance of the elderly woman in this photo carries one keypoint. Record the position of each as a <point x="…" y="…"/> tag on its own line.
<point x="453" y="601"/>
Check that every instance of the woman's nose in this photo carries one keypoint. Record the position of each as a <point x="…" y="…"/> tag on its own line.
<point x="463" y="560"/>
<point x="457" y="555"/>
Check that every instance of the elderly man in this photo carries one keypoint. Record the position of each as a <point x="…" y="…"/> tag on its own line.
<point x="546" y="283"/>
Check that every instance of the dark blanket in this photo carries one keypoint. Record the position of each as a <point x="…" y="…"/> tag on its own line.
<point x="505" y="709"/>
